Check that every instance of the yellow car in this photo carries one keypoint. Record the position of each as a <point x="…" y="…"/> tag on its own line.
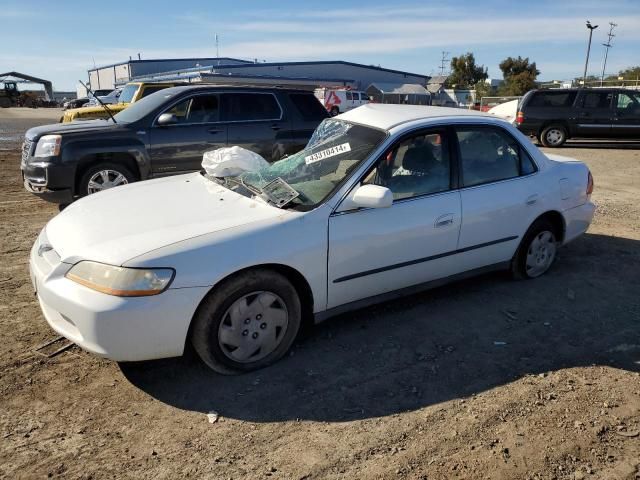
<point x="132" y="92"/>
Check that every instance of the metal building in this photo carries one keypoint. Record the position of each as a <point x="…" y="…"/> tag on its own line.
<point x="108" y="76"/>
<point x="230" y="70"/>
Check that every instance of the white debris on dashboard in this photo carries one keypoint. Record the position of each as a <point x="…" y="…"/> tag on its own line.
<point x="232" y="161"/>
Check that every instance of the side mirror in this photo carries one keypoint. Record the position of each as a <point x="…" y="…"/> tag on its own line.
<point x="167" y="119"/>
<point x="371" y="196"/>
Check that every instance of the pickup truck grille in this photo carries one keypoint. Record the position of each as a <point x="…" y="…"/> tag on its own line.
<point x="26" y="150"/>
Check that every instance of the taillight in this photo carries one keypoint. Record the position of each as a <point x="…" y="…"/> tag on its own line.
<point x="590" y="184"/>
<point x="520" y="118"/>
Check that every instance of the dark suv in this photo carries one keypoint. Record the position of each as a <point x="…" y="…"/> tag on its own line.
<point x="553" y="116"/>
<point x="163" y="134"/>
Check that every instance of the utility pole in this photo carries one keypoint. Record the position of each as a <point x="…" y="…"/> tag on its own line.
<point x="217" y="49"/>
<point x="606" y="49"/>
<point x="443" y="62"/>
<point x="586" y="63"/>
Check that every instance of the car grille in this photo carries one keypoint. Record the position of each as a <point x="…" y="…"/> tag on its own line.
<point x="26" y="150"/>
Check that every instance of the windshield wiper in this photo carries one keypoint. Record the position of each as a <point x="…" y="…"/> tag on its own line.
<point x="99" y="101"/>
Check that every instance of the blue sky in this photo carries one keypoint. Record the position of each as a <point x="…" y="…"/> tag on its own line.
<point x="60" y="40"/>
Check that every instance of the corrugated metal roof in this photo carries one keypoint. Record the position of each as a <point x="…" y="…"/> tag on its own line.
<point x="399" y="88"/>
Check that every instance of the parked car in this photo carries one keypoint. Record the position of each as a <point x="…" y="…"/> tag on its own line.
<point x="131" y="93"/>
<point x="372" y="207"/>
<point x="75" y="103"/>
<point x="340" y="101"/>
<point x="111" y="98"/>
<point x="553" y="116"/>
<point x="163" y="134"/>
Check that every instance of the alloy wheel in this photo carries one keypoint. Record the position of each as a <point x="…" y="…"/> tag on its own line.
<point x="105" y="179"/>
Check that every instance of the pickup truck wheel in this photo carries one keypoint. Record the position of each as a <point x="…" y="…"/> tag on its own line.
<point x="553" y="136"/>
<point x="247" y="322"/>
<point x="104" y="176"/>
<point x="536" y="252"/>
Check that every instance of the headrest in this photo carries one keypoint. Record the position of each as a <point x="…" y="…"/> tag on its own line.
<point x="419" y="159"/>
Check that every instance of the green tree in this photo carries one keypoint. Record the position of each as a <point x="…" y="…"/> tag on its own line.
<point x="465" y="73"/>
<point x="483" y="89"/>
<point x="519" y="76"/>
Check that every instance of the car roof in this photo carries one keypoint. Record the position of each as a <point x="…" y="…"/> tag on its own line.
<point x="387" y="116"/>
<point x="206" y="87"/>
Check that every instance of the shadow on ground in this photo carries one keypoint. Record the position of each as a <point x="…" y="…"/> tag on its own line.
<point x="599" y="144"/>
<point x="447" y="343"/>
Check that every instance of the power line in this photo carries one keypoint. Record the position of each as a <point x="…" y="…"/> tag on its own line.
<point x="606" y="49"/>
<point x="443" y="62"/>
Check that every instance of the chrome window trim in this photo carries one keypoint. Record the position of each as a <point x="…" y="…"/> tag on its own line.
<point x="219" y="94"/>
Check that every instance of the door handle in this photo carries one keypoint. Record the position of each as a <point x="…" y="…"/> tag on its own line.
<point x="532" y="199"/>
<point x="214" y="130"/>
<point x="444" y="220"/>
<point x="276" y="127"/>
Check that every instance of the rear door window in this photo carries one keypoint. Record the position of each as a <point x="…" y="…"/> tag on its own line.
<point x="596" y="100"/>
<point x="238" y="107"/>
<point x="489" y="154"/>
<point x="553" y="99"/>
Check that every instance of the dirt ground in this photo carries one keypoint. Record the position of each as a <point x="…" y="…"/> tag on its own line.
<point x="488" y="378"/>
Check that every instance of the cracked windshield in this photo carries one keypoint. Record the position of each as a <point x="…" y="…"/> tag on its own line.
<point x="334" y="151"/>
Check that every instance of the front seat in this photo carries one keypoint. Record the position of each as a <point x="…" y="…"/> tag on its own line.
<point x="424" y="174"/>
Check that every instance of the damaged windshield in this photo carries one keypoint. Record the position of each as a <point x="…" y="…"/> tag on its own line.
<point x="334" y="151"/>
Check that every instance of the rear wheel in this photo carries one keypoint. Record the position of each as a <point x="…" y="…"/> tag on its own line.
<point x="248" y="322"/>
<point x="104" y="176"/>
<point x="537" y="251"/>
<point x="553" y="136"/>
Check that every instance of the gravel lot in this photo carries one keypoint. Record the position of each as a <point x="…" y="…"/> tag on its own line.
<point x="416" y="388"/>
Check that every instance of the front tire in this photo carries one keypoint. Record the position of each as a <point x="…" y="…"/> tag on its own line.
<point x="553" y="136"/>
<point x="104" y="176"/>
<point x="536" y="252"/>
<point x="334" y="111"/>
<point x="247" y="322"/>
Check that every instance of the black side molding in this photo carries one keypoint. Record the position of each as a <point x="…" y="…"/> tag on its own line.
<point x="422" y="260"/>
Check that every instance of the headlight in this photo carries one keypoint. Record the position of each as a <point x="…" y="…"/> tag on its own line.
<point x="121" y="281"/>
<point x="48" y="146"/>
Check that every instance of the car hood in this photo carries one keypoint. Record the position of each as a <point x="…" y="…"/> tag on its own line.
<point x="73" y="127"/>
<point x="119" y="224"/>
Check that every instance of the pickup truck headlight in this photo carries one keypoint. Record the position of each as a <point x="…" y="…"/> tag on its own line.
<point x="48" y="146"/>
<point x="121" y="281"/>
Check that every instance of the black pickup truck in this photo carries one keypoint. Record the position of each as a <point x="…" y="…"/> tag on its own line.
<point x="163" y="134"/>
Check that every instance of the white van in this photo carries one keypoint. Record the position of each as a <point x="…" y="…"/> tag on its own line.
<point x="340" y="101"/>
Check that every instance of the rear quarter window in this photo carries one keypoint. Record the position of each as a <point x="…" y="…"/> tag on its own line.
<point x="552" y="99"/>
<point x="308" y="106"/>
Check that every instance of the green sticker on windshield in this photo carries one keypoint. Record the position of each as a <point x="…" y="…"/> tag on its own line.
<point x="328" y="152"/>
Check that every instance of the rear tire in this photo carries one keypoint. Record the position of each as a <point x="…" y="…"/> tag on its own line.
<point x="104" y="176"/>
<point x="537" y="251"/>
<point x="247" y="322"/>
<point x="553" y="136"/>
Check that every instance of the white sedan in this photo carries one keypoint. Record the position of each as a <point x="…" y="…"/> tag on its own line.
<point x="384" y="199"/>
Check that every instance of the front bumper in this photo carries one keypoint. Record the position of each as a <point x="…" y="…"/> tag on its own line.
<point x="577" y="220"/>
<point x="45" y="177"/>
<point x="121" y="329"/>
<point x="54" y="196"/>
